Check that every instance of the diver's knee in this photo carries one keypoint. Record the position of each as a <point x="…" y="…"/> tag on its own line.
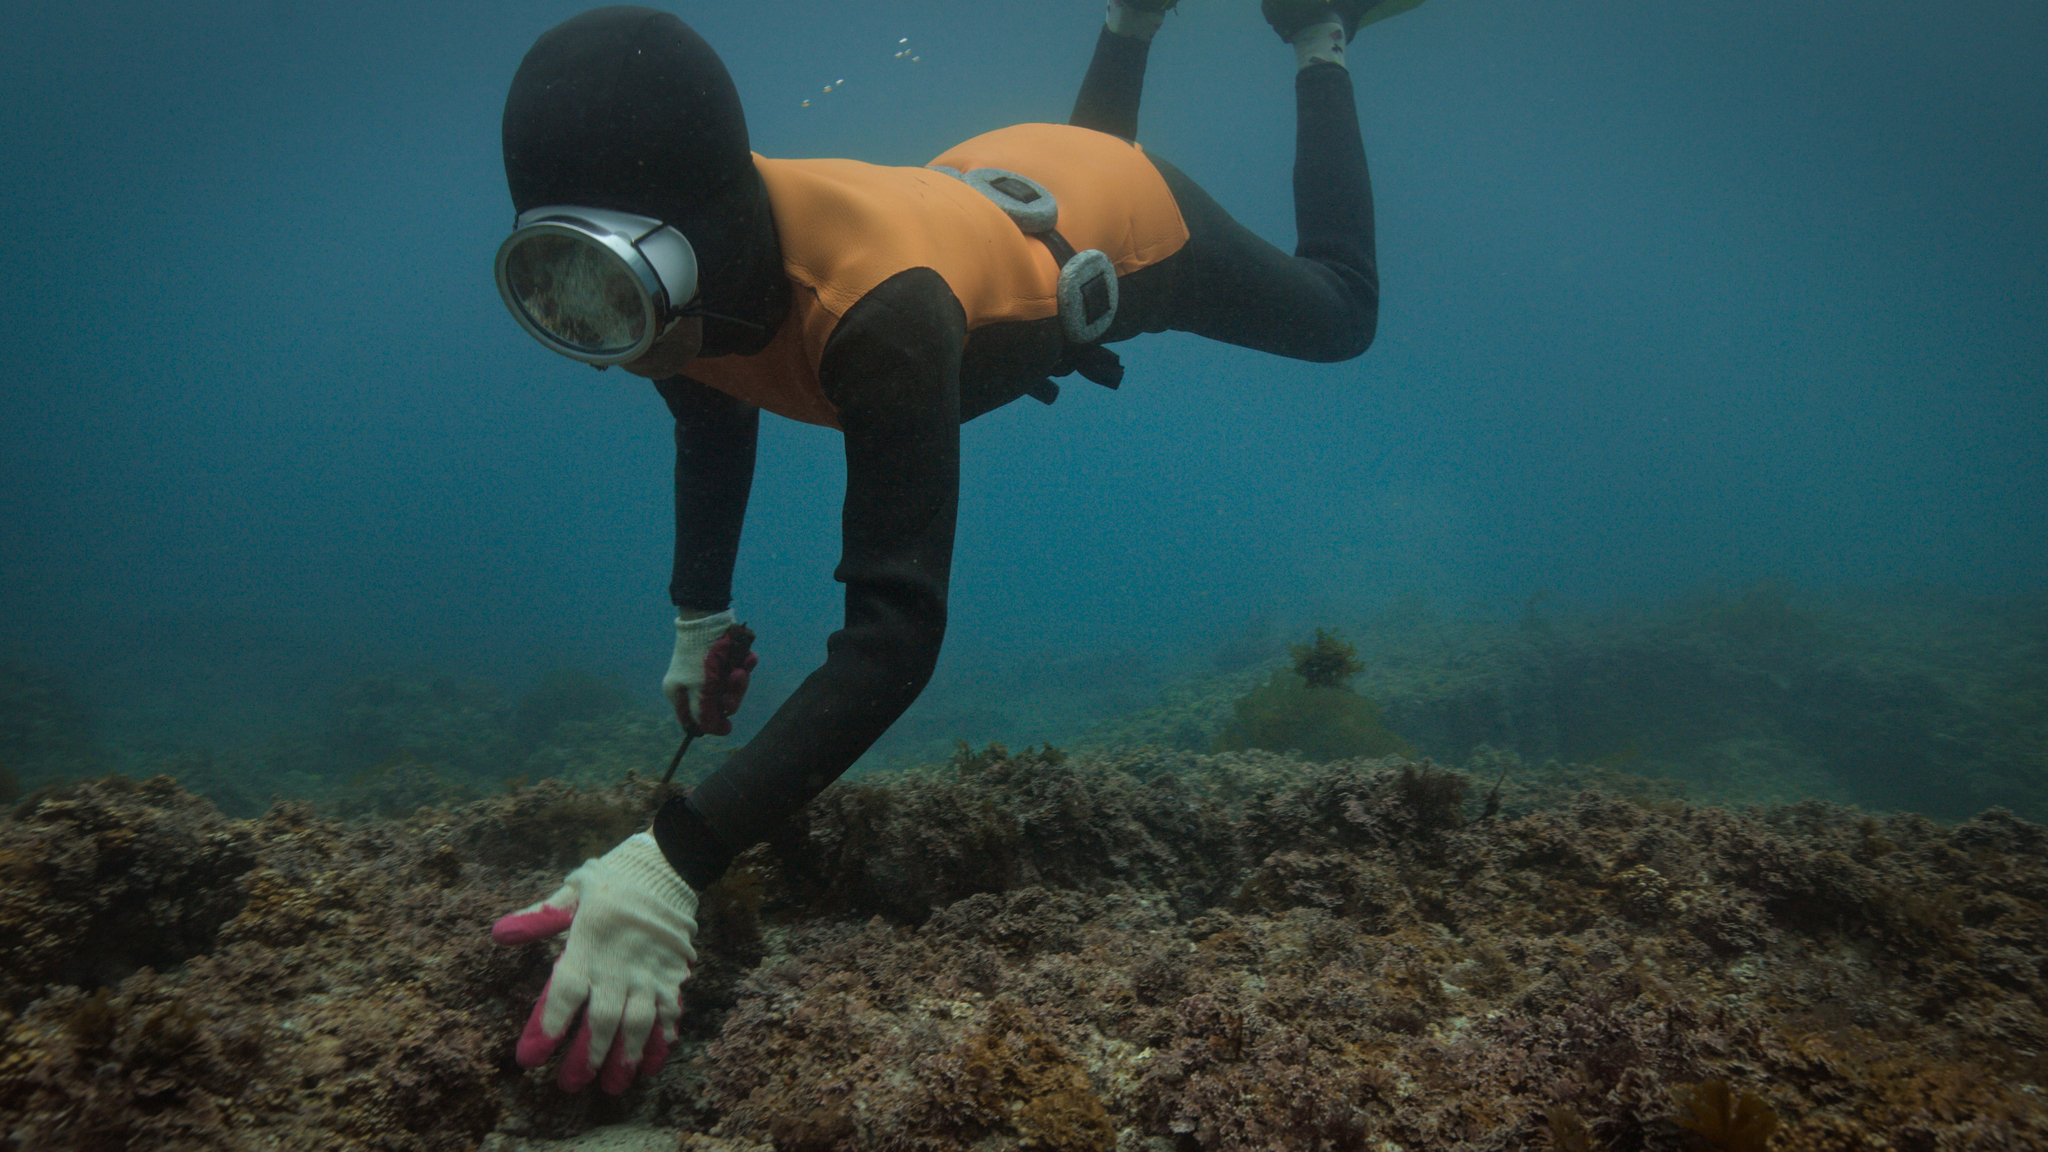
<point x="1362" y="333"/>
<point x="1351" y="340"/>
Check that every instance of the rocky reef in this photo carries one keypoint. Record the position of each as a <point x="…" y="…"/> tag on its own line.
<point x="1916" y="701"/>
<point x="1140" y="950"/>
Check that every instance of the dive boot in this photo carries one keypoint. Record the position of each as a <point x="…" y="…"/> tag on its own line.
<point x="1289" y="17"/>
<point x="1140" y="18"/>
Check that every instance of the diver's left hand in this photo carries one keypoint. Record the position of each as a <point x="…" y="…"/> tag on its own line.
<point x="630" y="919"/>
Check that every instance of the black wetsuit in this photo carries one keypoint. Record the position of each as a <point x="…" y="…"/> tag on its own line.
<point x="902" y="387"/>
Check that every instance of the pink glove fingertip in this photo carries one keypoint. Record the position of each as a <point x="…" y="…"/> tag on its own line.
<point x="535" y="1045"/>
<point x="577" y="1073"/>
<point x="618" y="1073"/>
<point x="526" y="927"/>
<point x="655" y="1054"/>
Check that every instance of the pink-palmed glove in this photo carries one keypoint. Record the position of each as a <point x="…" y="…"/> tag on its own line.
<point x="630" y="919"/>
<point x="707" y="676"/>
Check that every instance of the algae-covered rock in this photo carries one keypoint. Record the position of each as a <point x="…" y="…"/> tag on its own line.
<point x="1285" y="714"/>
<point x="1310" y="709"/>
<point x="1238" y="953"/>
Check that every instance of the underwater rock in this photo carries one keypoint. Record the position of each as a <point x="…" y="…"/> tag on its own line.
<point x="102" y="878"/>
<point x="1141" y="951"/>
<point x="343" y="994"/>
<point x="1321" y="722"/>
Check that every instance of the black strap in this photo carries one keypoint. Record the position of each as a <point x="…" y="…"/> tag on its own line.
<point x="1061" y="250"/>
<point x="1092" y="361"/>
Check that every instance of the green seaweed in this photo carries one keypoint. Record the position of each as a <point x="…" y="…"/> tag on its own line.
<point x="967" y="763"/>
<point x="1568" y="1133"/>
<point x="1329" y="662"/>
<point x="1722" y="1119"/>
<point x="94" y="1021"/>
<point x="1309" y="709"/>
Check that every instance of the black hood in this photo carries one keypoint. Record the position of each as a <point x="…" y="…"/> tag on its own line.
<point x="628" y="109"/>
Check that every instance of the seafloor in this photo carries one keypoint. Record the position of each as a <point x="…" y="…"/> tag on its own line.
<point x="1139" y="950"/>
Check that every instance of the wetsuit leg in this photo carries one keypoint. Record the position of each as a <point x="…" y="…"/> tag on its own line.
<point x="1109" y="93"/>
<point x="1322" y="303"/>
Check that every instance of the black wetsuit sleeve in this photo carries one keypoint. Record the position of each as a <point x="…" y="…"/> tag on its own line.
<point x="892" y="366"/>
<point x="715" y="437"/>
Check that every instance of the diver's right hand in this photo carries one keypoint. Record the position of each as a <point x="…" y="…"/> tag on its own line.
<point x="630" y="919"/>
<point x="707" y="676"/>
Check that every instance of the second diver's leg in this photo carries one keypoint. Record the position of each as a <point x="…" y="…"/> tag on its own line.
<point x="1108" y="101"/>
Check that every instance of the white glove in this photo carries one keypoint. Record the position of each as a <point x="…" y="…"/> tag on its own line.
<point x="630" y="919"/>
<point x="707" y="676"/>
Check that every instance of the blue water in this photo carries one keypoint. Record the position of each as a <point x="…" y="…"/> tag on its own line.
<point x="1676" y="296"/>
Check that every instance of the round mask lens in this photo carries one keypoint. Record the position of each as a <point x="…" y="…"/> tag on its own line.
<point x="579" y="293"/>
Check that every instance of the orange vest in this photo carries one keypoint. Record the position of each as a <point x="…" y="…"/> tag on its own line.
<point x="845" y="227"/>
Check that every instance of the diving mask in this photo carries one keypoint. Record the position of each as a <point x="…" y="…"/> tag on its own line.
<point x="593" y="284"/>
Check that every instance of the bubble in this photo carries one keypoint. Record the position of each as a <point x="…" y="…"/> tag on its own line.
<point x="903" y="52"/>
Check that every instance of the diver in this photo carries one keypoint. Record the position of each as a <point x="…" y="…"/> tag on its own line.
<point x="891" y="304"/>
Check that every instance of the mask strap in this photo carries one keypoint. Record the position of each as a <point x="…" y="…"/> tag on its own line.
<point x="700" y="310"/>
